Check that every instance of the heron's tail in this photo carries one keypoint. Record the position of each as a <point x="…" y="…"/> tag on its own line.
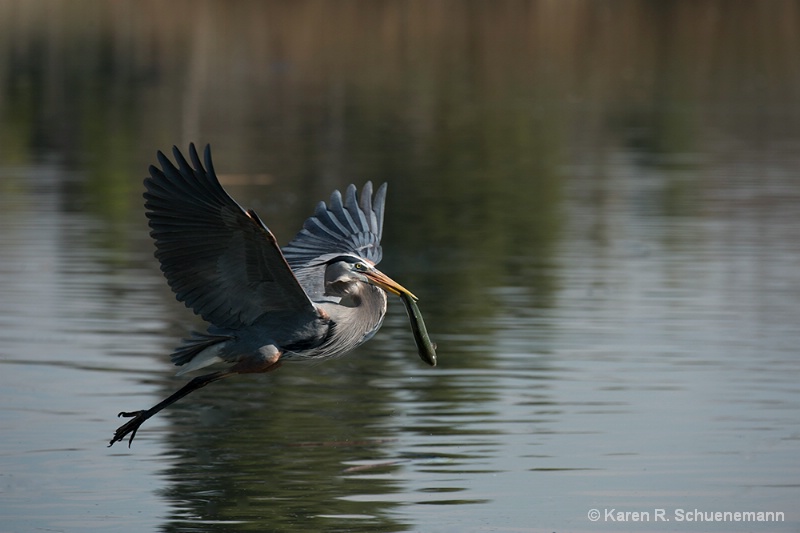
<point x="198" y="351"/>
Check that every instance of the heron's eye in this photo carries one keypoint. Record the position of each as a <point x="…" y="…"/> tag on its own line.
<point x="360" y="266"/>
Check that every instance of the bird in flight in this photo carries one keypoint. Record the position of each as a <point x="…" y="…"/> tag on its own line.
<point x="318" y="297"/>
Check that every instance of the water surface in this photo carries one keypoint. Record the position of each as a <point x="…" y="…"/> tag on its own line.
<point x="601" y="226"/>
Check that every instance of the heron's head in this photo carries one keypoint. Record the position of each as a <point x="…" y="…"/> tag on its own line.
<point x="346" y="276"/>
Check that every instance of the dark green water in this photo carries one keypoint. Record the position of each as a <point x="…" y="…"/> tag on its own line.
<point x="597" y="203"/>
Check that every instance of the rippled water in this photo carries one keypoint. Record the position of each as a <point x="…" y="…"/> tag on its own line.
<point x="612" y="279"/>
<point x="661" y="373"/>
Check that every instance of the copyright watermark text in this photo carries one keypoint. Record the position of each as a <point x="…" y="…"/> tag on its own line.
<point x="611" y="514"/>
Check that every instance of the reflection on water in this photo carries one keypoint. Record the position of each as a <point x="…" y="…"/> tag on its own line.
<point x="597" y="204"/>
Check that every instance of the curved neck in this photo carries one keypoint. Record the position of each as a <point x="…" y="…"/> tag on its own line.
<point x="355" y="322"/>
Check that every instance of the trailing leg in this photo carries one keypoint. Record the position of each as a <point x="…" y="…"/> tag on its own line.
<point x="139" y="417"/>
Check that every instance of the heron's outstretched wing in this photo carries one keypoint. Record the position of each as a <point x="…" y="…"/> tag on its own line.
<point x="220" y="260"/>
<point x="348" y="225"/>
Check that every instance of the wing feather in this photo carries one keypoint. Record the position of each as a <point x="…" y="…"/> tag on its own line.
<point x="345" y="225"/>
<point x="220" y="260"/>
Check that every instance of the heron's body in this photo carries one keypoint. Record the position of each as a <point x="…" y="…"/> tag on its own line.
<point x="310" y="337"/>
<point x="319" y="297"/>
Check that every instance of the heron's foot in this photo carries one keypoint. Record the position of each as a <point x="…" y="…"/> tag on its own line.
<point x="131" y="426"/>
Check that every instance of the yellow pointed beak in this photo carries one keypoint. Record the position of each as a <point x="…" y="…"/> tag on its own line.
<point x="378" y="278"/>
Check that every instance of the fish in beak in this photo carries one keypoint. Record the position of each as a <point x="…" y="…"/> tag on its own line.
<point x="425" y="348"/>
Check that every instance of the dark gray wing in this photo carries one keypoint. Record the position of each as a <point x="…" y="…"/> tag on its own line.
<point x="348" y="225"/>
<point x="220" y="260"/>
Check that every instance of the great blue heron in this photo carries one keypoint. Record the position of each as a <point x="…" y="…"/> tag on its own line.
<point x="319" y="297"/>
